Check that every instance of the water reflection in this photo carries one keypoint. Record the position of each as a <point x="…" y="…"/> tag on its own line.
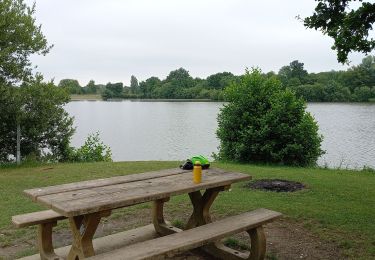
<point x="177" y="130"/>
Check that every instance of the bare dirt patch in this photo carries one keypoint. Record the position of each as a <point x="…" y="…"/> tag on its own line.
<point x="286" y="239"/>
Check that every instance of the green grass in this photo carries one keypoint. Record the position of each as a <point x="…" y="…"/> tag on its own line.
<point x="13" y="180"/>
<point x="86" y="97"/>
<point x="338" y="205"/>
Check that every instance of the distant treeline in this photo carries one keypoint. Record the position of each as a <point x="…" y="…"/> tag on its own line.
<point x="355" y="84"/>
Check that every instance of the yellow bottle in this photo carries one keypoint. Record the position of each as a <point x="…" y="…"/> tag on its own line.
<point x="197" y="172"/>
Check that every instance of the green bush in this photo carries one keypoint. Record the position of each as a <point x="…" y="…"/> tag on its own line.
<point x="264" y="122"/>
<point x="93" y="150"/>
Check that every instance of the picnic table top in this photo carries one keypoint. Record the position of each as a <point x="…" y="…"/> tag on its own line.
<point x="98" y="195"/>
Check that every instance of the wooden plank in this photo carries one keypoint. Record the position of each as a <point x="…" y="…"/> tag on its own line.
<point x="192" y="238"/>
<point x="36" y="218"/>
<point x="120" y="195"/>
<point x="35" y="193"/>
<point x="110" y="242"/>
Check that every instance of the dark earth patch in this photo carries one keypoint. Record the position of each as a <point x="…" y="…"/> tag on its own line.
<point x="276" y="185"/>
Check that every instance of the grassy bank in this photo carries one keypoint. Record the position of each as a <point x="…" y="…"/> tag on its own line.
<point x="338" y="205"/>
<point x="90" y="97"/>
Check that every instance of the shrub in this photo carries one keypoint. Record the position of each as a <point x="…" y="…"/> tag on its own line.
<point x="264" y="122"/>
<point x="93" y="150"/>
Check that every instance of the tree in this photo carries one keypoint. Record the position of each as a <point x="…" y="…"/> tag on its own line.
<point x="264" y="122"/>
<point x="9" y="99"/>
<point x="180" y="78"/>
<point x="39" y="109"/>
<point x="133" y="82"/>
<point x="314" y="92"/>
<point x="148" y="87"/>
<point x="176" y="85"/>
<point x="134" y="86"/>
<point x="26" y="102"/>
<point x="360" y="75"/>
<point x="20" y="37"/>
<point x="335" y="92"/>
<point x="91" y="88"/>
<point x="113" y="90"/>
<point x="347" y="26"/>
<point x="363" y="94"/>
<point x="294" y="74"/>
<point x="71" y="86"/>
<point x="220" y="80"/>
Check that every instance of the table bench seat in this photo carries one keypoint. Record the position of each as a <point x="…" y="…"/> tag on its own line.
<point x="200" y="236"/>
<point x="45" y="220"/>
<point x="36" y="218"/>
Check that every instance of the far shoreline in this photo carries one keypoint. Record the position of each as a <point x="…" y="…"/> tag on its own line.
<point x="97" y="97"/>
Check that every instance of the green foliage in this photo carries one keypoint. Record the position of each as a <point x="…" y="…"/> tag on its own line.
<point x="149" y="86"/>
<point x="180" y="78"/>
<point x="134" y="84"/>
<point x="263" y="122"/>
<point x="347" y="26"/>
<point x="368" y="169"/>
<point x="220" y="80"/>
<point x="355" y="84"/>
<point x="93" y="150"/>
<point x="39" y="109"/>
<point x="294" y="74"/>
<point x="20" y="37"/>
<point x="9" y="99"/>
<point x="113" y="90"/>
<point x="179" y="85"/>
<point x="71" y="86"/>
<point x="90" y="88"/>
<point x="36" y="106"/>
<point x="363" y="94"/>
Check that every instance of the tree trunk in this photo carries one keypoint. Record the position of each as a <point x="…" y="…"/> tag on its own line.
<point x="18" y="155"/>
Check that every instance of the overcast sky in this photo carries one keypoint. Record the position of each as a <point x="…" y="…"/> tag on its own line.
<point x="109" y="41"/>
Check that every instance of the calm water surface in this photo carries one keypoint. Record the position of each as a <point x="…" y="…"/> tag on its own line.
<point x="177" y="130"/>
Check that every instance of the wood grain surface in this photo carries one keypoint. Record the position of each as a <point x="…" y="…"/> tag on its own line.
<point x="105" y="194"/>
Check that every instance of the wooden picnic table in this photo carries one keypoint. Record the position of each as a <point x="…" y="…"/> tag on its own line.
<point x="85" y="203"/>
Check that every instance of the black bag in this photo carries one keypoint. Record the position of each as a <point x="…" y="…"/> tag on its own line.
<point x="188" y="165"/>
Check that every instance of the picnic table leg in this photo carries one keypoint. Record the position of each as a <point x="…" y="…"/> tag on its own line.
<point x="45" y="241"/>
<point x="201" y="206"/>
<point x="201" y="216"/>
<point x="162" y="227"/>
<point x="258" y="243"/>
<point x="83" y="229"/>
<point x="257" y="248"/>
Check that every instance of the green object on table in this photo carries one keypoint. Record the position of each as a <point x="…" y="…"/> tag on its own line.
<point x="203" y="160"/>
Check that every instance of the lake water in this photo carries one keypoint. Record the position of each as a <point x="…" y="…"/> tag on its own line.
<point x="176" y="130"/>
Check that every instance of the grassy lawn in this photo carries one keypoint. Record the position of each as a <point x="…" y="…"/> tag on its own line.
<point x="86" y="97"/>
<point x="338" y="205"/>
